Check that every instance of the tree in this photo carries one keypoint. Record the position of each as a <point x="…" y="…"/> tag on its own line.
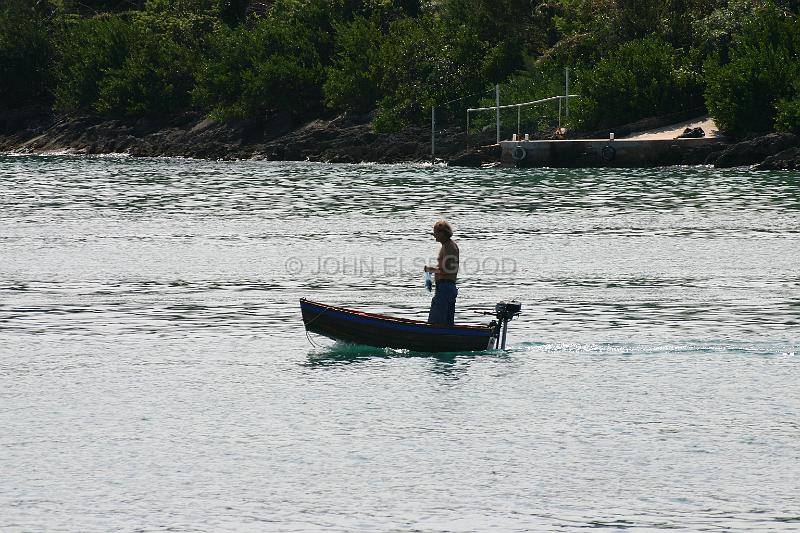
<point x="743" y="95"/>
<point x="87" y="48"/>
<point x="154" y="79"/>
<point x="250" y="71"/>
<point x="26" y="55"/>
<point x="426" y="62"/>
<point x="352" y="78"/>
<point x="643" y="78"/>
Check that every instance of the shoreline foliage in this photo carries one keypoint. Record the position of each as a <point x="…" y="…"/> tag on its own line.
<point x="26" y="58"/>
<point x="394" y="60"/>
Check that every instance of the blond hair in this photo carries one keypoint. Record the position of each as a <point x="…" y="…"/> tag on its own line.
<point x="444" y="226"/>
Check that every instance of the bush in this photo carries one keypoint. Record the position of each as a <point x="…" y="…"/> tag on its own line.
<point x="313" y="19"/>
<point x="352" y="78"/>
<point x="512" y="29"/>
<point x="155" y="78"/>
<point x="743" y="95"/>
<point x="643" y="78"/>
<point x="87" y="49"/>
<point x="425" y="63"/>
<point x="125" y="66"/>
<point x="713" y="33"/>
<point x="788" y="117"/>
<point x="157" y="74"/>
<point x="187" y="29"/>
<point x="25" y="59"/>
<point x="271" y="66"/>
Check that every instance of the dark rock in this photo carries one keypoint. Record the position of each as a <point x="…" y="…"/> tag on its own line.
<point x="406" y="148"/>
<point x="185" y="120"/>
<point x="788" y="159"/>
<point x="476" y="157"/>
<point x="700" y="155"/>
<point x="712" y="157"/>
<point x="29" y="120"/>
<point x="692" y="133"/>
<point x="754" y="151"/>
<point x="144" y="126"/>
<point x="277" y="124"/>
<point x="347" y="138"/>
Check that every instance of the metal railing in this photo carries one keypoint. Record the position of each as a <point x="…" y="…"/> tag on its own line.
<point x="497" y="107"/>
<point x="519" y="106"/>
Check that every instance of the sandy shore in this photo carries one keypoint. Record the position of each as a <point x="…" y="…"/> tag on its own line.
<point x="673" y="130"/>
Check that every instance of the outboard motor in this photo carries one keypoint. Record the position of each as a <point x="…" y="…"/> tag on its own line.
<point x="504" y="311"/>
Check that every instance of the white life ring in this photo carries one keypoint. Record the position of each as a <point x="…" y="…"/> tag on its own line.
<point x="519" y="153"/>
<point x="608" y="153"/>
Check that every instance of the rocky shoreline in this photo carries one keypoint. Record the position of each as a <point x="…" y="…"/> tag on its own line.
<point x="342" y="139"/>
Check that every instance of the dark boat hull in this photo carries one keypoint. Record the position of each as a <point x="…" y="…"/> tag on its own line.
<point x="383" y="331"/>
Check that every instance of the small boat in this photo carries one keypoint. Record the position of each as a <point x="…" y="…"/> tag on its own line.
<point x="382" y="331"/>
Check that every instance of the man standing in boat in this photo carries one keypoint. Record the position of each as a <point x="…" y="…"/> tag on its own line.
<point x="443" y="305"/>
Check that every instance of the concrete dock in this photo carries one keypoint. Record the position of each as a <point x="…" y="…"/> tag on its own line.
<point x="645" y="149"/>
<point x="601" y="152"/>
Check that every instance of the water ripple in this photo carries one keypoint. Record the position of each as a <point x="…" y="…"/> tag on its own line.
<point x="155" y="374"/>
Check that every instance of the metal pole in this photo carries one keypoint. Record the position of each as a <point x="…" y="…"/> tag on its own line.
<point x="467" y="128"/>
<point x="433" y="133"/>
<point x="518" y="108"/>
<point x="566" y="92"/>
<point x="559" y="113"/>
<point x="497" y="101"/>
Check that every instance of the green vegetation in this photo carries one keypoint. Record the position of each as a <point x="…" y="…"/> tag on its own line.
<point x="746" y="93"/>
<point x="788" y="117"/>
<point x="630" y="59"/>
<point x="270" y="66"/>
<point x="351" y="79"/>
<point x="643" y="77"/>
<point x="424" y="62"/>
<point x="26" y="56"/>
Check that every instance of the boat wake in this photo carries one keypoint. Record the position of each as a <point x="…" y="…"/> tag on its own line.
<point x="733" y="348"/>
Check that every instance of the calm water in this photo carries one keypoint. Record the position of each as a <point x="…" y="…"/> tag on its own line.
<point x="155" y="374"/>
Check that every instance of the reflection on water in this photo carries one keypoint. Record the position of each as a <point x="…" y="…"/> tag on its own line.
<point x="332" y="353"/>
<point x="155" y="374"/>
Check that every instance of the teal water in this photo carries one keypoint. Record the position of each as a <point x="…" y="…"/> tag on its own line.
<point x="155" y="375"/>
